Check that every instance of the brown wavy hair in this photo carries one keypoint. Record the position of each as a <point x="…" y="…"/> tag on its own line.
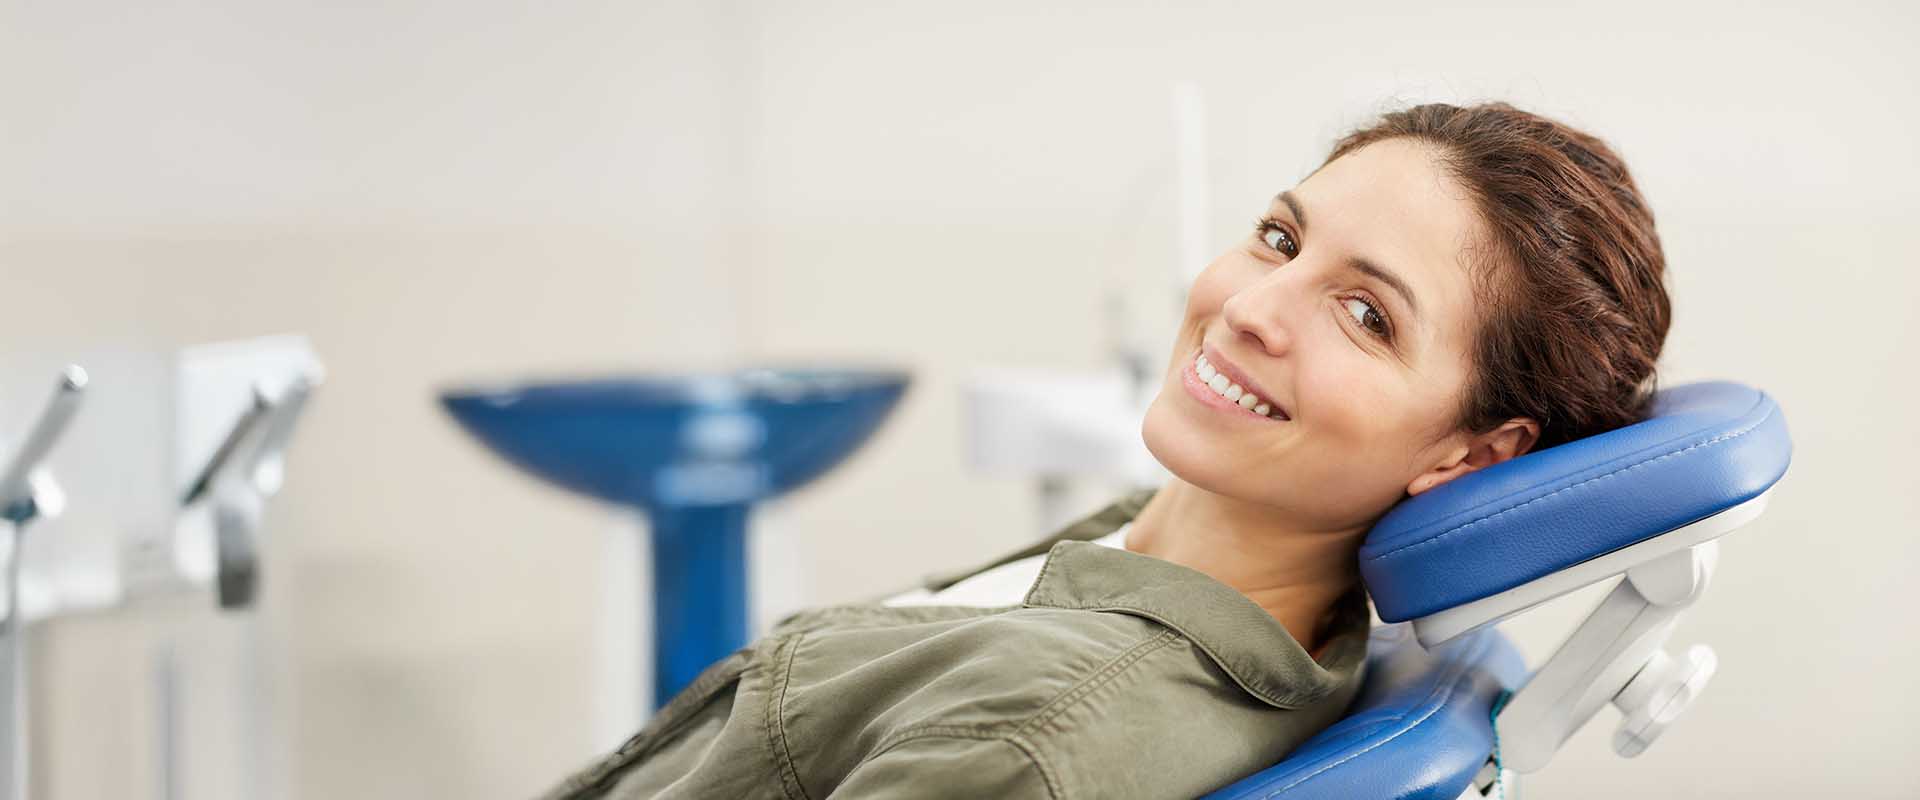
<point x="1571" y="288"/>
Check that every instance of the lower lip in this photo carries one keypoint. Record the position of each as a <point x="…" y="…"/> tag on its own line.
<point x="1207" y="396"/>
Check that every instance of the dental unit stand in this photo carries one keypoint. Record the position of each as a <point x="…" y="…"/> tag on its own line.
<point x="243" y="472"/>
<point x="27" y="491"/>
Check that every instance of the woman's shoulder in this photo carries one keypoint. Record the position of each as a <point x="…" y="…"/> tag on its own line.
<point x="1073" y="688"/>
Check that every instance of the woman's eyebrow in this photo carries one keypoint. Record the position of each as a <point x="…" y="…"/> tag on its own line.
<point x="1385" y="276"/>
<point x="1359" y="264"/>
<point x="1293" y="205"/>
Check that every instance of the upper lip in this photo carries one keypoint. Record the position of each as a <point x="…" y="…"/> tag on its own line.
<point x="1237" y="375"/>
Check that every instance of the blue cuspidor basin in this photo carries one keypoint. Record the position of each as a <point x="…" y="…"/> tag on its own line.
<point x="695" y="452"/>
<point x="612" y="438"/>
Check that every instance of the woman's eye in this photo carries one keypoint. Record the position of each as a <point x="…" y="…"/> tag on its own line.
<point x="1277" y="238"/>
<point x="1369" y="317"/>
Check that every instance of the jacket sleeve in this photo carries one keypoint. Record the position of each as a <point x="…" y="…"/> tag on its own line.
<point x="937" y="767"/>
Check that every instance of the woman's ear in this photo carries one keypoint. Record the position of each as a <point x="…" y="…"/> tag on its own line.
<point x="1512" y="439"/>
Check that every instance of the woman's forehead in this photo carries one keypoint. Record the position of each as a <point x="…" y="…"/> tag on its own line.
<point x="1392" y="204"/>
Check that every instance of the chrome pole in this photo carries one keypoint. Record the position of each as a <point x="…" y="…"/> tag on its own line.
<point x="26" y="492"/>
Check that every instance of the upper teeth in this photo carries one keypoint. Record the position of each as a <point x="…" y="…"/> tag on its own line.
<point x="1233" y="391"/>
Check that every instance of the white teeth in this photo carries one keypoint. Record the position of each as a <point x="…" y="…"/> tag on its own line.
<point x="1230" y="390"/>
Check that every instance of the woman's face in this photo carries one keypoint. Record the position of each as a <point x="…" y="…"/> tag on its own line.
<point x="1349" y="312"/>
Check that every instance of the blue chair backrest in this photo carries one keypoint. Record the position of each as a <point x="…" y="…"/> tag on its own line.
<point x="1420" y="728"/>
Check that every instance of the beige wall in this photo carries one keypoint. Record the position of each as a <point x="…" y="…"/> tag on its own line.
<point x="447" y="191"/>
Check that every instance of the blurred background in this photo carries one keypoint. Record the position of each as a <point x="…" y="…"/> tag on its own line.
<point x="437" y="194"/>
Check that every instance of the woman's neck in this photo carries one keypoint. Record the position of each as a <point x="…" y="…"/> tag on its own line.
<point x="1292" y="573"/>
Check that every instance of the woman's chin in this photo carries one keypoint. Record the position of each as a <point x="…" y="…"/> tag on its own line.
<point x="1187" y="453"/>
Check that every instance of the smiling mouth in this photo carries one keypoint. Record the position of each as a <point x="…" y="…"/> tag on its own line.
<point x="1211" y="379"/>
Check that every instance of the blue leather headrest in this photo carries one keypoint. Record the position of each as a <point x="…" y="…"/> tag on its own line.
<point x="1706" y="447"/>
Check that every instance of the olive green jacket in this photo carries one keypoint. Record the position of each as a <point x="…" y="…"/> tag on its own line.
<point x="1120" y="675"/>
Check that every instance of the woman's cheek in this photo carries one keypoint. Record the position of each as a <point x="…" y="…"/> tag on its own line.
<point x="1341" y="397"/>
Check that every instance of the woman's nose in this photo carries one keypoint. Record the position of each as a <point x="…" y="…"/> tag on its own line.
<point x="1263" y="313"/>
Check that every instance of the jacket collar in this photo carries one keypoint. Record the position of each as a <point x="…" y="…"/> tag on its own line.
<point x="1239" y="636"/>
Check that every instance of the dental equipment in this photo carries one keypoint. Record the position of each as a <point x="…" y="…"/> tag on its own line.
<point x="1056" y="427"/>
<point x="27" y="491"/>
<point x="1647" y="502"/>
<point x="245" y="470"/>
<point x="161" y="483"/>
<point x="695" y="453"/>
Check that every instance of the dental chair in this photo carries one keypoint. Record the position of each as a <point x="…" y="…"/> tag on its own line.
<point x="1443" y="686"/>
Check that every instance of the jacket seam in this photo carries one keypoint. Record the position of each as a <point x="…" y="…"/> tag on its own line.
<point x="671" y="719"/>
<point x="777" y="727"/>
<point x="1636" y="465"/>
<point x="1019" y="736"/>
<point x="1287" y="701"/>
<point x="873" y="615"/>
<point x="990" y="731"/>
<point x="963" y="732"/>
<point x="1098" y="679"/>
<point x="1040" y="764"/>
<point x="1053" y="707"/>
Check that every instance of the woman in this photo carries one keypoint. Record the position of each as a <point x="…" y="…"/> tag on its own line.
<point x="1452" y="288"/>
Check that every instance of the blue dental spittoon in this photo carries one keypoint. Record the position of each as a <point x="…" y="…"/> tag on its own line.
<point x="694" y="452"/>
